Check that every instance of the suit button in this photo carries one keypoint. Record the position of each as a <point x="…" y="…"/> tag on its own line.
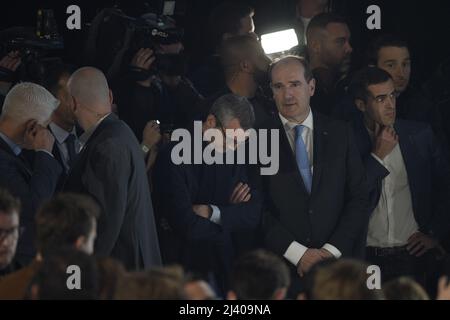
<point x="310" y="211"/>
<point x="308" y="239"/>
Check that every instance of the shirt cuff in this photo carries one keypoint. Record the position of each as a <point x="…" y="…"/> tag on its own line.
<point x="49" y="153"/>
<point x="333" y="250"/>
<point x="378" y="159"/>
<point x="295" y="252"/>
<point x="215" y="216"/>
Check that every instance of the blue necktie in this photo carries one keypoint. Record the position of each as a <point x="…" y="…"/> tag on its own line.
<point x="301" y="154"/>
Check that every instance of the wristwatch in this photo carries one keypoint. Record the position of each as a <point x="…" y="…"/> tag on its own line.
<point x="145" y="149"/>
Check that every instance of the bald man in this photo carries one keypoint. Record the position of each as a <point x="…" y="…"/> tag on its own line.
<point x="110" y="168"/>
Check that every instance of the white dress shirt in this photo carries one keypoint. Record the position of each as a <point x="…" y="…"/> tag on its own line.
<point x="393" y="222"/>
<point x="295" y="251"/>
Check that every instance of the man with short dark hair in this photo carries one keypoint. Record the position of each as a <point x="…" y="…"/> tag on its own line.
<point x="409" y="180"/>
<point x="228" y="19"/>
<point x="63" y="125"/>
<point x="68" y="220"/>
<point x="392" y="54"/>
<point x="9" y="232"/>
<point x="259" y="275"/>
<point x="329" y="53"/>
<point x="245" y="67"/>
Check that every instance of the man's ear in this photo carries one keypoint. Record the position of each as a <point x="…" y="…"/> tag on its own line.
<point x="111" y="97"/>
<point x="80" y="242"/>
<point x="312" y="86"/>
<point x="245" y="66"/>
<point x="231" y="295"/>
<point x="280" y="294"/>
<point x="361" y="105"/>
<point x="74" y="104"/>
<point x="210" y="122"/>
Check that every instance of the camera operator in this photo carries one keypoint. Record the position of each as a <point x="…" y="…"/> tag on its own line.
<point x="153" y="86"/>
<point x="8" y="65"/>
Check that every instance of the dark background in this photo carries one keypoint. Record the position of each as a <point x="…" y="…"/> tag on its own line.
<point x="425" y="24"/>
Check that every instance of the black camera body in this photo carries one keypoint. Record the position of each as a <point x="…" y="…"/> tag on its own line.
<point x="35" y="54"/>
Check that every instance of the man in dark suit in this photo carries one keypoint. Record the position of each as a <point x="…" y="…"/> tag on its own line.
<point x="63" y="126"/>
<point x="110" y="168"/>
<point x="409" y="180"/>
<point x="31" y="175"/>
<point x="317" y="202"/>
<point x="211" y="212"/>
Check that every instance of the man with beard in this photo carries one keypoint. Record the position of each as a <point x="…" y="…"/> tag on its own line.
<point x="329" y="52"/>
<point x="63" y="126"/>
<point x="245" y="67"/>
<point x="392" y="54"/>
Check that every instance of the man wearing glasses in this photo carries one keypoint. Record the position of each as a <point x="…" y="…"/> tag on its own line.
<point x="9" y="232"/>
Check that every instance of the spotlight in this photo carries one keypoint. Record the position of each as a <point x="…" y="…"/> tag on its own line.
<point x="279" y="41"/>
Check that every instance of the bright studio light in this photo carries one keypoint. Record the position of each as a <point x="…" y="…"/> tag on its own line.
<point x="279" y="41"/>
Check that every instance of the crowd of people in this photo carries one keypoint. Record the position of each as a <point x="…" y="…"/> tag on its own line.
<point x="88" y="179"/>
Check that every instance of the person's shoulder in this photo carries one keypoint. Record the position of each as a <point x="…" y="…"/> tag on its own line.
<point x="14" y="285"/>
<point x="411" y="126"/>
<point x="325" y="122"/>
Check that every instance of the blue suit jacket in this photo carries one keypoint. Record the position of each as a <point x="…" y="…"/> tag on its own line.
<point x="32" y="177"/>
<point x="428" y="173"/>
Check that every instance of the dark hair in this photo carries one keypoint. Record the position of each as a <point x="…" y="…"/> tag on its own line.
<point x="52" y="278"/>
<point x="364" y="78"/>
<point x="258" y="274"/>
<point x="322" y="20"/>
<point x="62" y="220"/>
<point x="306" y="66"/>
<point x="8" y="203"/>
<point x="226" y="18"/>
<point x="231" y="106"/>
<point x="54" y="74"/>
<point x="387" y="40"/>
<point x="234" y="49"/>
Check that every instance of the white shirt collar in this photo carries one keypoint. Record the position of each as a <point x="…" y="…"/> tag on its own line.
<point x="289" y="125"/>
<point x="88" y="133"/>
<point x="59" y="133"/>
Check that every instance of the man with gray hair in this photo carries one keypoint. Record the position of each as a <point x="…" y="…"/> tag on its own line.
<point x="110" y="168"/>
<point x="27" y="168"/>
<point x="210" y="213"/>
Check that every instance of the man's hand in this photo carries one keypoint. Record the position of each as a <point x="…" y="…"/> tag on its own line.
<point x="326" y="254"/>
<point x="241" y="193"/>
<point x="202" y="210"/>
<point x="385" y="141"/>
<point x="151" y="135"/>
<point x="419" y="244"/>
<point x="143" y="59"/>
<point x="443" y="289"/>
<point x="309" y="259"/>
<point x="38" y="137"/>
